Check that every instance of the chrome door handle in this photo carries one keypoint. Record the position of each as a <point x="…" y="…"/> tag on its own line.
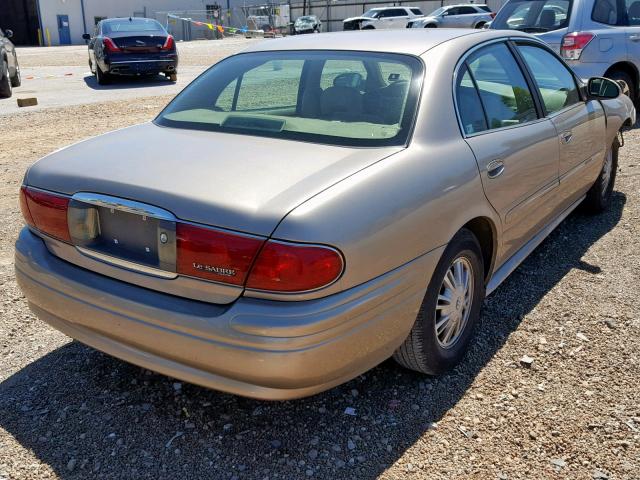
<point x="566" y="137"/>
<point x="495" y="169"/>
<point x="634" y="38"/>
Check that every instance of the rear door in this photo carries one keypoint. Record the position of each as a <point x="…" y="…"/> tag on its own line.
<point x="516" y="150"/>
<point x="466" y="17"/>
<point x="580" y="124"/>
<point x="393" y="18"/>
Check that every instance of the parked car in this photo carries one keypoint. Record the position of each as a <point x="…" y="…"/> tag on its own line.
<point x="9" y="67"/>
<point x="131" y="46"/>
<point x="382" y="18"/>
<point x="595" y="37"/>
<point x="379" y="213"/>
<point x="307" y="24"/>
<point x="455" y="16"/>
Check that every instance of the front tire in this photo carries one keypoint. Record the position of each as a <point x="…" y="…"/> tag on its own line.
<point x="599" y="195"/>
<point x="450" y="310"/>
<point x="430" y="25"/>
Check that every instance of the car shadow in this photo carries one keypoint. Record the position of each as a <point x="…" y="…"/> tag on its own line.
<point x="121" y="83"/>
<point x="87" y="414"/>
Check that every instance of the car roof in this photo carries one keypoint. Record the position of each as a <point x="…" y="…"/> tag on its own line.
<point x="411" y="41"/>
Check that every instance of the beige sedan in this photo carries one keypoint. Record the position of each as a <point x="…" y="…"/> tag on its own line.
<point x="306" y="209"/>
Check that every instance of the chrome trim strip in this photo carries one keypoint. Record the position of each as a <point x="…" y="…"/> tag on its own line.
<point x="140" y="61"/>
<point x="135" y="267"/>
<point x="517" y="258"/>
<point x="124" y="205"/>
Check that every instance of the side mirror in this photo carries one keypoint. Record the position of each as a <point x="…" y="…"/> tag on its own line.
<point x="8" y="33"/>
<point x="86" y="36"/>
<point x="603" y="88"/>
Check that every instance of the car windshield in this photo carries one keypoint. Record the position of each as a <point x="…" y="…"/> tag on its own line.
<point x="305" y="20"/>
<point x="533" y="16"/>
<point x="332" y="97"/>
<point x="131" y="25"/>
<point x="371" y="13"/>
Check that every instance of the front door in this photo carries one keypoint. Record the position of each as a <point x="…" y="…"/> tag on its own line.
<point x="580" y="124"/>
<point x="516" y="150"/>
<point x="64" y="33"/>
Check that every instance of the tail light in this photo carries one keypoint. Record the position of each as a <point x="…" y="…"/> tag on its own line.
<point x="110" y="46"/>
<point x="492" y="14"/>
<point x="214" y="255"/>
<point x="45" y="211"/>
<point x="169" y="43"/>
<point x="290" y="267"/>
<point x="574" y="43"/>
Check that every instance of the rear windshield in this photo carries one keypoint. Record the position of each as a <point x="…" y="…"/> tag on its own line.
<point x="131" y="25"/>
<point x="339" y="98"/>
<point x="533" y="16"/>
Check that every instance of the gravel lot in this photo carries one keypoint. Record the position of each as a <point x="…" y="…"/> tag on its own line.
<point x="67" y="411"/>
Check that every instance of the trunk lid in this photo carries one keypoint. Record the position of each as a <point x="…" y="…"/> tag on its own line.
<point x="131" y="189"/>
<point x="129" y="43"/>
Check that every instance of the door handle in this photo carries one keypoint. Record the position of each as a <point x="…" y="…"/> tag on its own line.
<point x="634" y="38"/>
<point x="566" y="137"/>
<point x="495" y="169"/>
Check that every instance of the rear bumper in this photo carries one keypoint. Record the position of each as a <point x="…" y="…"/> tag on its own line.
<point x="152" y="64"/>
<point x="257" y="348"/>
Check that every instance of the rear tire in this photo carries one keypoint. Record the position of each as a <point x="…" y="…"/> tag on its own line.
<point x="102" y="77"/>
<point x="599" y="195"/>
<point x="5" y="82"/>
<point x="480" y="25"/>
<point x="621" y="75"/>
<point x="16" y="80"/>
<point x="427" y="349"/>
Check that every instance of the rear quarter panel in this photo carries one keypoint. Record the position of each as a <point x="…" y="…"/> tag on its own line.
<point x="407" y="204"/>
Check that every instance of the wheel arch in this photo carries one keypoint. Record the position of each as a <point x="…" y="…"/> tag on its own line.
<point x="485" y="232"/>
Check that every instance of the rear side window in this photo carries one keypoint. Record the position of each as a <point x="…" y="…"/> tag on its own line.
<point x="503" y="89"/>
<point x="469" y="106"/>
<point x="416" y="11"/>
<point x="557" y="86"/>
<point x="607" y="12"/>
<point x="467" y="11"/>
<point x="533" y="16"/>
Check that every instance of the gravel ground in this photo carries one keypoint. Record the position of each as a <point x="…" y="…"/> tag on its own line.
<point x="67" y="411"/>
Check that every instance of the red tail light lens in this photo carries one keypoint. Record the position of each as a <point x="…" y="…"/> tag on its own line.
<point x="574" y="43"/>
<point x="45" y="211"/>
<point x="288" y="267"/>
<point x="492" y="14"/>
<point x="110" y="46"/>
<point x="169" y="44"/>
<point x="214" y="255"/>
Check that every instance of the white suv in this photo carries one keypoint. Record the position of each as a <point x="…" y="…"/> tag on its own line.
<point x="383" y="17"/>
<point x="455" y="16"/>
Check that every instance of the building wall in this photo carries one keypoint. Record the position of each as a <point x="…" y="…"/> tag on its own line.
<point x="49" y="9"/>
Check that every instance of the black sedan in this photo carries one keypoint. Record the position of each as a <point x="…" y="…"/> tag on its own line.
<point x="131" y="47"/>
<point x="9" y="68"/>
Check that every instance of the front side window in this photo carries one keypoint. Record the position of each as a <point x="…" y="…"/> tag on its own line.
<point x="340" y="98"/>
<point x="533" y="16"/>
<point x="556" y="84"/>
<point x="503" y="89"/>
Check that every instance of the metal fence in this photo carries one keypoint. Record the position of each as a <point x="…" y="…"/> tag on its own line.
<point x="202" y="24"/>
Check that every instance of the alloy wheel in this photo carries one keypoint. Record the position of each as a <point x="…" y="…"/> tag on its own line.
<point x="454" y="302"/>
